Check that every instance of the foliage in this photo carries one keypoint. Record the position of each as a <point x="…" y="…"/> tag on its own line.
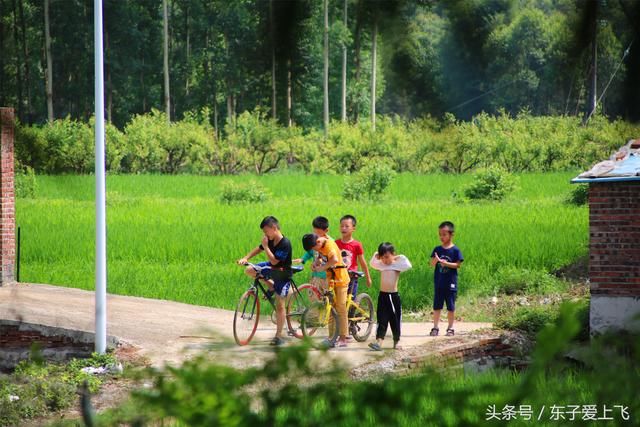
<point x="41" y="388"/>
<point x="529" y="319"/>
<point x="513" y="280"/>
<point x="250" y="192"/>
<point x="254" y="143"/>
<point x="283" y="393"/>
<point x="533" y="319"/>
<point x="26" y="184"/>
<point x="579" y="195"/>
<point x="260" y="138"/>
<point x="490" y="184"/>
<point x="370" y="182"/>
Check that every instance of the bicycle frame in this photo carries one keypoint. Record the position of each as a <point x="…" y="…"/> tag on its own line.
<point x="352" y="304"/>
<point x="257" y="284"/>
<point x="329" y="295"/>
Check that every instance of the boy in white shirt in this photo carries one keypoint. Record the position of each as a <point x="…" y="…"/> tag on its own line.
<point x="389" y="310"/>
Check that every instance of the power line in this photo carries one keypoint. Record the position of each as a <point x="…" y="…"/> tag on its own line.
<point x="624" y="56"/>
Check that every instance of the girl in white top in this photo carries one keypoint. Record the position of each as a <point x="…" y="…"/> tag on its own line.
<point x="389" y="310"/>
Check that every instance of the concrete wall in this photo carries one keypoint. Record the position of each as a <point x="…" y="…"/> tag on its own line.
<point x="614" y="255"/>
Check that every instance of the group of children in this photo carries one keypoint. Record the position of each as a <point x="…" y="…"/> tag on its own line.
<point x="333" y="259"/>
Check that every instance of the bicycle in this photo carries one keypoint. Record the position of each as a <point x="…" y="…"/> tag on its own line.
<point x="247" y="314"/>
<point x="321" y="313"/>
<point x="360" y="312"/>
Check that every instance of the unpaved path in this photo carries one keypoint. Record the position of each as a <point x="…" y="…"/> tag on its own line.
<point x="170" y="332"/>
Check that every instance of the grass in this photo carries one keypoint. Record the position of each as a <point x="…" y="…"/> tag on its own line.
<point x="170" y="237"/>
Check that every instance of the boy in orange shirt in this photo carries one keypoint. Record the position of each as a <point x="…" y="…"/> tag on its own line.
<point x="336" y="273"/>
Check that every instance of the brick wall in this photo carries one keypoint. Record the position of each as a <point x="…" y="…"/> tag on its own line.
<point x="55" y="344"/>
<point x="614" y="238"/>
<point x="13" y="336"/>
<point x="7" y="199"/>
<point x="494" y="351"/>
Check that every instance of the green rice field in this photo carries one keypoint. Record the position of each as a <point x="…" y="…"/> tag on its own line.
<point x="170" y="237"/>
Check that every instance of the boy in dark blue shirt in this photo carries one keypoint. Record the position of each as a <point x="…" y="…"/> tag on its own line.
<point x="446" y="259"/>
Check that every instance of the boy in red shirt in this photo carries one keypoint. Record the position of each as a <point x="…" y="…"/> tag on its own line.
<point x="352" y="252"/>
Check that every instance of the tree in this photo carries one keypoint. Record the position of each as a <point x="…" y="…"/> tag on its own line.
<point x="273" y="61"/>
<point x="374" y="63"/>
<point x="49" y="55"/>
<point x="167" y="97"/>
<point x="325" y="80"/>
<point x="344" y="69"/>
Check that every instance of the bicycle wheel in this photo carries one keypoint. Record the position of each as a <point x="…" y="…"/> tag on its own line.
<point x="318" y="317"/>
<point x="245" y="320"/>
<point x="362" y="324"/>
<point x="297" y="303"/>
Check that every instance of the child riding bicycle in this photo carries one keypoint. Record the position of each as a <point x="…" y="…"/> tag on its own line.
<point x="277" y="270"/>
<point x="337" y="275"/>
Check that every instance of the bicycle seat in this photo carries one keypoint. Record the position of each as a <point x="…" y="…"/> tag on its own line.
<point x="297" y="268"/>
<point x="356" y="273"/>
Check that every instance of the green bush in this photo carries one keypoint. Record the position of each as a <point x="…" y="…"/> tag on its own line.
<point x="528" y="319"/>
<point x="26" y="184"/>
<point x="246" y="192"/>
<point x="578" y="195"/>
<point x="491" y="184"/>
<point x="370" y="182"/>
<point x="262" y="140"/>
<point x="255" y="143"/>
<point x="525" y="282"/>
<point x="39" y="388"/>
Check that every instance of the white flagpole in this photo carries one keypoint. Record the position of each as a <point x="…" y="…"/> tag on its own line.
<point x="101" y="232"/>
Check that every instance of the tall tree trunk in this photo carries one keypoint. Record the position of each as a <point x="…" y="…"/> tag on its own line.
<point x="273" y="61"/>
<point x="167" y="97"/>
<point x="2" y="92"/>
<point x="326" y="69"/>
<point x="108" y="70"/>
<point x="229" y="84"/>
<point x="25" y="60"/>
<point x="374" y="48"/>
<point x="47" y="49"/>
<point x="215" y="113"/>
<point x="289" y="94"/>
<point x="17" y="63"/>
<point x="358" y="62"/>
<point x="593" y="78"/>
<point x="188" y="64"/>
<point x="144" y="92"/>
<point x="344" y="70"/>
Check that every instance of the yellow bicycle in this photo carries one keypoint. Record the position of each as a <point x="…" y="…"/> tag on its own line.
<point x="321" y="314"/>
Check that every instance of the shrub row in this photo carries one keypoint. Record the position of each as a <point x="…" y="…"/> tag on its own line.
<point x="257" y="144"/>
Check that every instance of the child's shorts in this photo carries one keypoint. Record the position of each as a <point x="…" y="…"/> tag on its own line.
<point x="280" y="286"/>
<point x="445" y="294"/>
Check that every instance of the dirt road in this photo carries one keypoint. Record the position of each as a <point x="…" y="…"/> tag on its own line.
<point x="170" y="332"/>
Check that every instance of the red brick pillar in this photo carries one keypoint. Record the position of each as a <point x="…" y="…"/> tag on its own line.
<point x="614" y="255"/>
<point x="7" y="199"/>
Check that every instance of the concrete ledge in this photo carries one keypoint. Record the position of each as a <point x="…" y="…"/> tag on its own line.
<point x="610" y="313"/>
<point x="56" y="344"/>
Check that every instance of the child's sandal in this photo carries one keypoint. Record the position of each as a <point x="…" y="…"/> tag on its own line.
<point x="276" y="341"/>
<point x="450" y="332"/>
<point x="375" y="346"/>
<point x="434" y="332"/>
